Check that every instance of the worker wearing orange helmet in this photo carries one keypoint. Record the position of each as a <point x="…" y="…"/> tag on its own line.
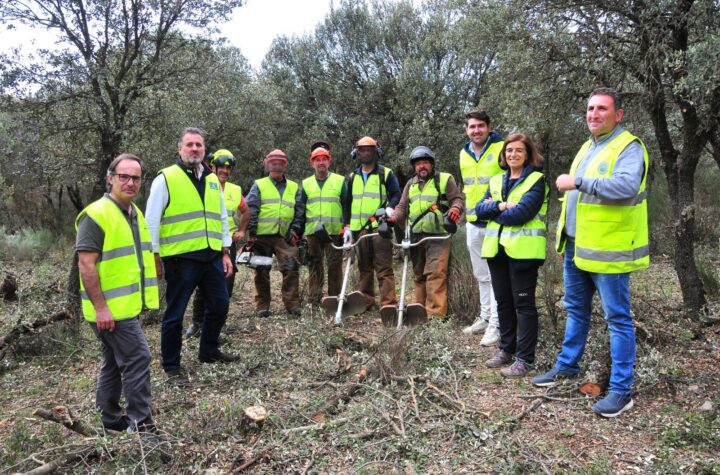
<point x="372" y="187"/>
<point x="275" y="226"/>
<point x="323" y="195"/>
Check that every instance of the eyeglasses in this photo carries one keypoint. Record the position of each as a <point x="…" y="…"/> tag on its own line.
<point x="126" y="178"/>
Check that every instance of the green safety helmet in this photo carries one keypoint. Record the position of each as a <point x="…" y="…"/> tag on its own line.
<point x="223" y="157"/>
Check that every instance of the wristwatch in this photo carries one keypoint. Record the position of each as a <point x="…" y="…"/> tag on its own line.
<point x="226" y="251"/>
<point x="578" y="183"/>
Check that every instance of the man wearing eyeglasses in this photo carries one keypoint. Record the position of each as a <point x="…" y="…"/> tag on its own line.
<point x="188" y="223"/>
<point x="118" y="281"/>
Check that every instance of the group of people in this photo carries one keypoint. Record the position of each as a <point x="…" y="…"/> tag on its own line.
<point x="195" y="218"/>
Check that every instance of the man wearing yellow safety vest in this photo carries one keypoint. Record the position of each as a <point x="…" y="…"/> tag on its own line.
<point x="222" y="163"/>
<point x="117" y="282"/>
<point x="276" y="216"/>
<point x="479" y="161"/>
<point x="372" y="187"/>
<point x="188" y="225"/>
<point x="323" y="195"/>
<point x="603" y="233"/>
<point x="427" y="197"/>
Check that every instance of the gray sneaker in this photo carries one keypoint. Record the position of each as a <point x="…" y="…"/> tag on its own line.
<point x="519" y="369"/>
<point x="500" y="358"/>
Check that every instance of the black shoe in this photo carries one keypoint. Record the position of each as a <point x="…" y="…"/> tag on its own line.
<point x="263" y="313"/>
<point x="177" y="376"/>
<point x="193" y="330"/>
<point x="219" y="357"/>
<point x="118" y="426"/>
<point x="295" y="311"/>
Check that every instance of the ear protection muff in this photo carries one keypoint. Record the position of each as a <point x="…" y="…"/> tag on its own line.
<point x="378" y="151"/>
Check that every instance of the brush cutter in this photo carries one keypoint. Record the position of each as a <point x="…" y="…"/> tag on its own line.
<point x="353" y="303"/>
<point x="415" y="313"/>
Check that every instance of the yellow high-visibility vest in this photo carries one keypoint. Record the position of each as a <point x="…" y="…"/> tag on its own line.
<point x="476" y="175"/>
<point x="524" y="241"/>
<point x="127" y="290"/>
<point x="611" y="236"/>
<point x="323" y="204"/>
<point x="189" y="224"/>
<point x="233" y="196"/>
<point x="367" y="198"/>
<point x="420" y="200"/>
<point x="276" y="213"/>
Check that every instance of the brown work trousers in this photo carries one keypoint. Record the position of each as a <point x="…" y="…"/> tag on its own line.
<point x="317" y="254"/>
<point x="289" y="264"/>
<point x="430" y="265"/>
<point x="375" y="255"/>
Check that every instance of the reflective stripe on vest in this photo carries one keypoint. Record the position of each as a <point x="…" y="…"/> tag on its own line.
<point x="525" y="241"/>
<point x="432" y="222"/>
<point x="476" y="175"/>
<point x="118" y="267"/>
<point x="276" y="213"/>
<point x="366" y="199"/>
<point x="189" y="224"/>
<point x="611" y="236"/>
<point x="323" y="204"/>
<point x="233" y="196"/>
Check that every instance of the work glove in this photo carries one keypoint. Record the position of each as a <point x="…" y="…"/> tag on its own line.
<point x="293" y="238"/>
<point x="454" y="215"/>
<point x="390" y="215"/>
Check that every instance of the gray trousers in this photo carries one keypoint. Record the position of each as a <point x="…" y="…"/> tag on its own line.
<point x="125" y="369"/>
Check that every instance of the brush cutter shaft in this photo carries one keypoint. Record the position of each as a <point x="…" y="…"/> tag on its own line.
<point x="341" y="297"/>
<point x="401" y="308"/>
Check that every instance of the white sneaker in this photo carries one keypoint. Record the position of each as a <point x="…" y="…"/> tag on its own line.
<point x="476" y="327"/>
<point x="492" y="335"/>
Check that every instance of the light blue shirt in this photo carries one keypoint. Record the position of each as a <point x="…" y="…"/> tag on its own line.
<point x="623" y="183"/>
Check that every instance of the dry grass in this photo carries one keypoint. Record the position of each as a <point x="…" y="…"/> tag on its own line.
<point x="427" y="404"/>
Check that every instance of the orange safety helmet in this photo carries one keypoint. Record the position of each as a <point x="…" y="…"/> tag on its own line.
<point x="366" y="142"/>
<point x="276" y="154"/>
<point x="320" y="152"/>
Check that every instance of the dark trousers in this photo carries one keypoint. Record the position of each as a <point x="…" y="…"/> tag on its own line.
<point x="375" y="257"/>
<point x="183" y="276"/>
<point x="198" y="305"/>
<point x="514" y="282"/>
<point x="125" y="369"/>
<point x="318" y="253"/>
<point x="287" y="257"/>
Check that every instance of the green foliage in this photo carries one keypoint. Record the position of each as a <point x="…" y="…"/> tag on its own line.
<point x="709" y="274"/>
<point x="28" y="244"/>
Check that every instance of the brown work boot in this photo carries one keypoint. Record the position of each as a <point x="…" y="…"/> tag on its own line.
<point x="500" y="358"/>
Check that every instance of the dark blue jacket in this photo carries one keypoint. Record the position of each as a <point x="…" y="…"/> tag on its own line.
<point x="527" y="209"/>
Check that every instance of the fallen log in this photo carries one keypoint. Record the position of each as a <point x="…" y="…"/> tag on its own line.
<point x="63" y="415"/>
<point x="341" y="397"/>
<point x="24" y="328"/>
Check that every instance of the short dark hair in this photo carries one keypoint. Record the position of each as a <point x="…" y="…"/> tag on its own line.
<point x="477" y="114"/>
<point x="608" y="91"/>
<point x="125" y="156"/>
<point x="194" y="131"/>
<point x="533" y="154"/>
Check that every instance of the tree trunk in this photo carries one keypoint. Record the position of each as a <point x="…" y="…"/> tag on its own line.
<point x="684" y="229"/>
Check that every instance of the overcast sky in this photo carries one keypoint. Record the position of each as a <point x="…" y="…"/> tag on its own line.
<point x="251" y="29"/>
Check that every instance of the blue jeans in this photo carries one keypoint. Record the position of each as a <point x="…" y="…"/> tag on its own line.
<point x="614" y="290"/>
<point x="183" y="276"/>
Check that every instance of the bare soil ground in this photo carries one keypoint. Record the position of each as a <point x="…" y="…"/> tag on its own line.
<point x="426" y="405"/>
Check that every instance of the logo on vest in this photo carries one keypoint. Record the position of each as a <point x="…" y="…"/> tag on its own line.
<point x="603" y="168"/>
<point x="213" y="186"/>
<point x="489" y="157"/>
